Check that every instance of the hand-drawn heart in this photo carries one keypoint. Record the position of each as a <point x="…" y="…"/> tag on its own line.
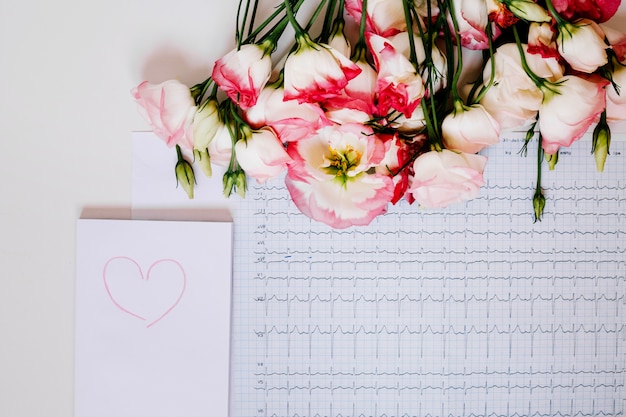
<point x="148" y="297"/>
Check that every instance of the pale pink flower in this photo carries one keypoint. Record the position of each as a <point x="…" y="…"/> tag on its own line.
<point x="565" y="115"/>
<point x="221" y="146"/>
<point x="169" y="108"/>
<point x="469" y="129"/>
<point x="514" y="99"/>
<point x="290" y="120"/>
<point x="383" y="17"/>
<point x="330" y="180"/>
<point x="446" y="177"/>
<point x="243" y="72"/>
<point x="528" y="10"/>
<point x="408" y="125"/>
<point x="472" y="18"/>
<point x="339" y="42"/>
<point x="542" y="40"/>
<point x="616" y="102"/>
<point x="343" y="115"/>
<point x="262" y="155"/>
<point x="399" y="86"/>
<point x="359" y="93"/>
<point x="500" y="14"/>
<point x="582" y="45"/>
<point x="315" y="71"/>
<point x="402" y="44"/>
<point x="397" y="154"/>
<point x="617" y="40"/>
<point x="422" y="7"/>
<point x="437" y="73"/>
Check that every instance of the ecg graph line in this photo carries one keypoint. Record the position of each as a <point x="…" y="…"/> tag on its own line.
<point x="468" y="311"/>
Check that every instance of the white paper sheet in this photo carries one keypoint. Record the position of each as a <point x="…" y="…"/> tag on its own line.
<point x="469" y="311"/>
<point x="152" y="318"/>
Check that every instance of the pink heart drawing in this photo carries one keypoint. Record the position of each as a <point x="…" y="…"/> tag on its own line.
<point x="150" y="296"/>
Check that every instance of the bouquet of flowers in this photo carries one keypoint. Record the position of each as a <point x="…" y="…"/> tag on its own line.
<point x="381" y="100"/>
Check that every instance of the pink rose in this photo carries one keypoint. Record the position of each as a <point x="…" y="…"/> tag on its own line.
<point x="315" y="71"/>
<point x="290" y="120"/>
<point x="597" y="10"/>
<point x="169" y="108"/>
<point x="384" y="17"/>
<point x="469" y="129"/>
<point x="243" y="72"/>
<point x="399" y="86"/>
<point x="446" y="177"/>
<point x="565" y="115"/>
<point x="262" y="155"/>
<point x="582" y="45"/>
<point x="330" y="180"/>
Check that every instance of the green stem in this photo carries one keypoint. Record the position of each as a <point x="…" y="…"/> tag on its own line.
<point x="292" y="19"/>
<point x="276" y="31"/>
<point x="529" y="135"/>
<point x="316" y="13"/>
<point x="253" y="17"/>
<point x="459" y="52"/>
<point x="238" y="29"/>
<point x="409" y="25"/>
<point x="434" y="137"/>
<point x="539" y="200"/>
<point x="360" y="48"/>
<point x="329" y="18"/>
<point x="541" y="83"/>
<point x="559" y="20"/>
<point x="492" y="76"/>
<point x="199" y="90"/>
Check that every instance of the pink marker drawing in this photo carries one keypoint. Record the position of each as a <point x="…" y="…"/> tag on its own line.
<point x="148" y="297"/>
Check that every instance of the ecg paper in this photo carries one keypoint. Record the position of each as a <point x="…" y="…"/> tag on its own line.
<point x="469" y="311"/>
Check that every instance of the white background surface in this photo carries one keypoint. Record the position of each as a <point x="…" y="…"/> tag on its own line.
<point x="66" y="69"/>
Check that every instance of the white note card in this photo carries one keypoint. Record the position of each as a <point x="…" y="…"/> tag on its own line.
<point x="152" y="318"/>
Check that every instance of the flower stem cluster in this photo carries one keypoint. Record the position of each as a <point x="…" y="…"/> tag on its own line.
<point x="375" y="101"/>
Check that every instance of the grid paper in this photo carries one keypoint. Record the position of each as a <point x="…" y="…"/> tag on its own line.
<point x="469" y="311"/>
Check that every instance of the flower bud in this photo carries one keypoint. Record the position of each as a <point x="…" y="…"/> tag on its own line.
<point x="539" y="202"/>
<point x="240" y="183"/>
<point x="338" y="39"/>
<point x="184" y="173"/>
<point x="528" y="10"/>
<point x="235" y="181"/>
<point x="601" y="143"/>
<point x="552" y="159"/>
<point x="204" y="161"/>
<point x="206" y="122"/>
